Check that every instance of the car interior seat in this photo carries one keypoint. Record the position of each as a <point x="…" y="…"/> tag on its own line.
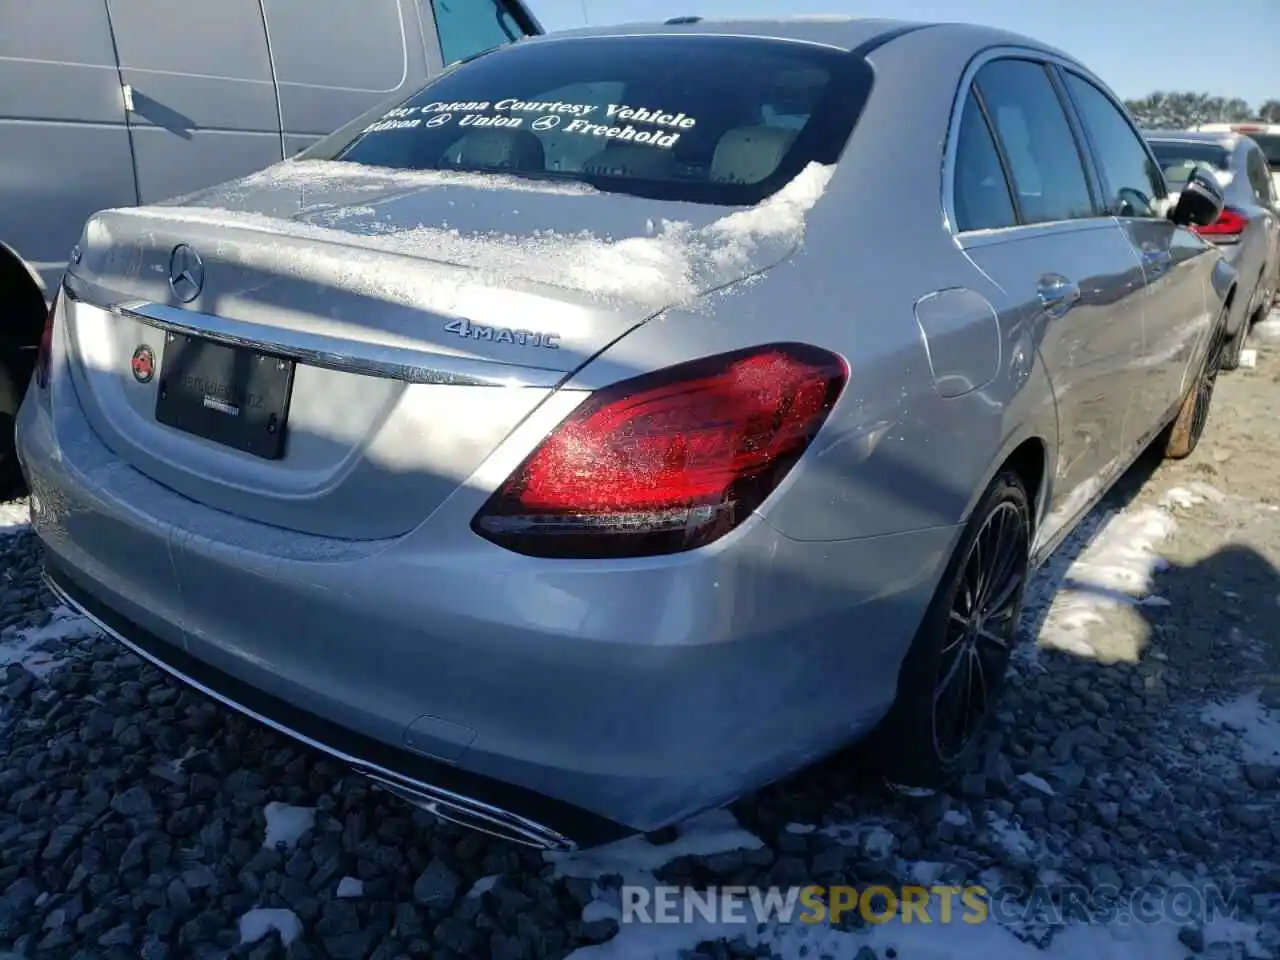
<point x="635" y="160"/>
<point x="496" y="150"/>
<point x="750" y="154"/>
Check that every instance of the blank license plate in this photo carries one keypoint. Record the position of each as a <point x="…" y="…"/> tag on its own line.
<point x="229" y="395"/>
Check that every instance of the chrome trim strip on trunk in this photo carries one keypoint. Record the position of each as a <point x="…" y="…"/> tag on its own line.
<point x="329" y="353"/>
<point x="458" y="809"/>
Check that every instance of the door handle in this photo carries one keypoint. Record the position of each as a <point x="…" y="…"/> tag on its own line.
<point x="1057" y="294"/>
<point x="1156" y="261"/>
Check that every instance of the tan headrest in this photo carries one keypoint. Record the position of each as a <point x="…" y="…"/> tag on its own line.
<point x="632" y="160"/>
<point x="750" y="154"/>
<point x="497" y="149"/>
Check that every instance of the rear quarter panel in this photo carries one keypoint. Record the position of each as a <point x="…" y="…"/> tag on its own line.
<point x="895" y="454"/>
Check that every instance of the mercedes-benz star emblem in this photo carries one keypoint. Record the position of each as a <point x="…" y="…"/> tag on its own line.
<point x="186" y="273"/>
<point x="546" y="123"/>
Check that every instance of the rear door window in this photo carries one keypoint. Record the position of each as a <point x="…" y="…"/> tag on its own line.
<point x="1133" y="184"/>
<point x="981" y="192"/>
<point x="1044" y="159"/>
<point x="704" y="119"/>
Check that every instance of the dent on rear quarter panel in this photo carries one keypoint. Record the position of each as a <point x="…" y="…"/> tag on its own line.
<point x="961" y="339"/>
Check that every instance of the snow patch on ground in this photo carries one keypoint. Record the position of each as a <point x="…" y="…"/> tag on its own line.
<point x="286" y="824"/>
<point x="873" y="838"/>
<point x="1256" y="726"/>
<point x="1116" y="569"/>
<point x="636" y="859"/>
<point x="1037" y="783"/>
<point x="1011" y="837"/>
<point x="1268" y="331"/>
<point x="43" y="649"/>
<point x="350" y="888"/>
<point x="15" y="517"/>
<point x="484" y="885"/>
<point x="1192" y="495"/>
<point x="260" y="921"/>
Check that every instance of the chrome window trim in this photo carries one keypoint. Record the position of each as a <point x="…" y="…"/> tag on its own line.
<point x="332" y="353"/>
<point x="975" y="239"/>
<point x="985" y="237"/>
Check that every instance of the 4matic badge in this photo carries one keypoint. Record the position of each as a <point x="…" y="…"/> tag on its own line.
<point x="524" y="338"/>
<point x="143" y="364"/>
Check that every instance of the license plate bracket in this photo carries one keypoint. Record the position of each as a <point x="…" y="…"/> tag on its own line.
<point x="230" y="395"/>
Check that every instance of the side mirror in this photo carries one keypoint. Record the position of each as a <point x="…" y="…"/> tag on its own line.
<point x="1201" y="201"/>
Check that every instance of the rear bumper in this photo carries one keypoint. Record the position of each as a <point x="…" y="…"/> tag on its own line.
<point x="444" y="790"/>
<point x="549" y="701"/>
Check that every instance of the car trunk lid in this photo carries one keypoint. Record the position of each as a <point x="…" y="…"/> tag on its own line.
<point x="412" y="321"/>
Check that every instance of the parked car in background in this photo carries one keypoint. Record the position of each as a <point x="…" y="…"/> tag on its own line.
<point x="1265" y="135"/>
<point x="106" y="103"/>
<point x="1247" y="232"/>
<point x="626" y="419"/>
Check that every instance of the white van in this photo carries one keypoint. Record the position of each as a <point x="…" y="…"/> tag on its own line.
<point x="110" y="103"/>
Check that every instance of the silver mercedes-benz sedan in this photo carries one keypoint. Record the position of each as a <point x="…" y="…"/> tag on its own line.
<point x="630" y="417"/>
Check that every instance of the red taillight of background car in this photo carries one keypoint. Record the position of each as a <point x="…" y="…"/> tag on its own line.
<point x="44" y="354"/>
<point x="1229" y="224"/>
<point x="667" y="461"/>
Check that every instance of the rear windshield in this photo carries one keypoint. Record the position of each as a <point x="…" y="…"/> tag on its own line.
<point x="1178" y="158"/>
<point x="1270" y="144"/>
<point x="721" y="120"/>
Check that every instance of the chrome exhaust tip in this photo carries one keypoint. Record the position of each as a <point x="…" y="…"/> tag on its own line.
<point x="472" y="815"/>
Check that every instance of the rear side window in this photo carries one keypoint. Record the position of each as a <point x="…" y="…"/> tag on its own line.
<point x="1132" y="182"/>
<point x="468" y="27"/>
<point x="981" y="193"/>
<point x="1044" y="160"/>
<point x="705" y="119"/>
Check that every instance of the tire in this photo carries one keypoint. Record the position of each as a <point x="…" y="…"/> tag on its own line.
<point x="1183" y="435"/>
<point x="14" y="374"/>
<point x="921" y="742"/>
<point x="1229" y="359"/>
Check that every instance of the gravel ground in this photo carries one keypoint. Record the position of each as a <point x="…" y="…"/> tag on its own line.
<point x="1138" y="744"/>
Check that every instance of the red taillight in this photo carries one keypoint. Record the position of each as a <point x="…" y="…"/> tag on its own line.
<point x="669" y="461"/>
<point x="1229" y="223"/>
<point x="45" y="353"/>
